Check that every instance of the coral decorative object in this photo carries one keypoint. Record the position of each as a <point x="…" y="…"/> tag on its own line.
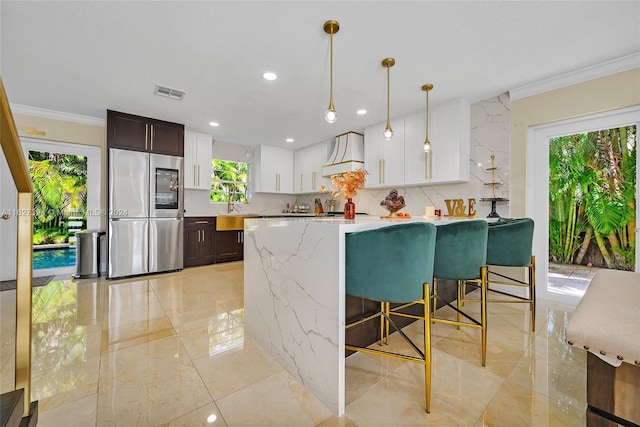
<point x="393" y="202"/>
<point x="347" y="184"/>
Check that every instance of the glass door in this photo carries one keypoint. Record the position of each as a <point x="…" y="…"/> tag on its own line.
<point x="552" y="242"/>
<point x="66" y="183"/>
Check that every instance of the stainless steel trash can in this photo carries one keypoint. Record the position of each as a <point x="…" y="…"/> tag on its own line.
<point x="88" y="254"/>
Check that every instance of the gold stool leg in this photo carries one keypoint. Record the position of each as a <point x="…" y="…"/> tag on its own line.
<point x="435" y="296"/>
<point x="382" y="322"/>
<point x="427" y="348"/>
<point x="483" y="313"/>
<point x="532" y="292"/>
<point x="386" y="305"/>
<point x="459" y="286"/>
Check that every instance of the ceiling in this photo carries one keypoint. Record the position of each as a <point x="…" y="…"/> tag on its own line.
<point x="90" y="56"/>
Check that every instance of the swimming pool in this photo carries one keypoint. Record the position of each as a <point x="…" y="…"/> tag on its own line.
<point x="54" y="258"/>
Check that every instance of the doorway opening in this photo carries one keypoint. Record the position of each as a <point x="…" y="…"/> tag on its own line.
<point x="65" y="179"/>
<point x="583" y="200"/>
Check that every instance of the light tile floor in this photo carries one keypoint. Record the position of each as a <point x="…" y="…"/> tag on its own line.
<point x="169" y="350"/>
<point x="570" y="280"/>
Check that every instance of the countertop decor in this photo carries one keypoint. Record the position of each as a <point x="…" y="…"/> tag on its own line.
<point x="393" y="202"/>
<point x="347" y="183"/>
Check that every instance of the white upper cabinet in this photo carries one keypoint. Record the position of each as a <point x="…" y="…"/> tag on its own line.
<point x="197" y="161"/>
<point x="308" y="163"/>
<point x="273" y="170"/>
<point x="384" y="160"/>
<point x="449" y="135"/>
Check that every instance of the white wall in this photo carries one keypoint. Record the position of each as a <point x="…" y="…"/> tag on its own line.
<point x="489" y="134"/>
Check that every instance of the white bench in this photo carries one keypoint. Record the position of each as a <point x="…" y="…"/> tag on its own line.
<point x="606" y="323"/>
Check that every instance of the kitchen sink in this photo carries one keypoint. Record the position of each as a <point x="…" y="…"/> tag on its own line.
<point x="232" y="222"/>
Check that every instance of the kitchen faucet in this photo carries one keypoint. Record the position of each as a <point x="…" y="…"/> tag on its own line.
<point x="230" y="206"/>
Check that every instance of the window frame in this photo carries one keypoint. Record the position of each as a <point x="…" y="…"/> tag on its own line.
<point x="242" y="169"/>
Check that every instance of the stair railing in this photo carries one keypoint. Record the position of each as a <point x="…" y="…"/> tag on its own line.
<point x="19" y="171"/>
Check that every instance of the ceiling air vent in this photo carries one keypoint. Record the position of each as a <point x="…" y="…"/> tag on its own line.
<point x="170" y="93"/>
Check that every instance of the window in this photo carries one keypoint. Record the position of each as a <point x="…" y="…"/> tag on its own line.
<point x="228" y="181"/>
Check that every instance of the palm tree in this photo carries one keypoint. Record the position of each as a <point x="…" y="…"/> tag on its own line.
<point x="59" y="188"/>
<point x="592" y="191"/>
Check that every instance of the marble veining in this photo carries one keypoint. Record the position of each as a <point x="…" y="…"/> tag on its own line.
<point x="306" y="341"/>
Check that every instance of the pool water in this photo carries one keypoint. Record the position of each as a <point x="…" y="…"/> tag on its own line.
<point x="54" y="258"/>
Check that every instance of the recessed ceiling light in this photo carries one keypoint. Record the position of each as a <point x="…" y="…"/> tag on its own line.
<point x="289" y="139"/>
<point x="214" y="124"/>
<point x="361" y="111"/>
<point x="270" y="76"/>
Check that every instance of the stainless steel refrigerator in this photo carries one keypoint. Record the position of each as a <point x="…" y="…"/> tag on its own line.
<point x="145" y="213"/>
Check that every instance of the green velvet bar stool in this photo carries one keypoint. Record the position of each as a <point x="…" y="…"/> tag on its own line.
<point x="394" y="264"/>
<point x="510" y="245"/>
<point x="461" y="255"/>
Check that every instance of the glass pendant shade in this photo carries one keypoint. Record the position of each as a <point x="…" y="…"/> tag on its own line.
<point x="388" y="132"/>
<point x="330" y="116"/>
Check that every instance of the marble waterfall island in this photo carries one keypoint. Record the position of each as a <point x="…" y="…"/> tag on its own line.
<point x="294" y="296"/>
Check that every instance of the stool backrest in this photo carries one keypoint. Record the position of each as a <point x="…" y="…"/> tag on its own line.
<point x="390" y="263"/>
<point x="461" y="250"/>
<point x="510" y="243"/>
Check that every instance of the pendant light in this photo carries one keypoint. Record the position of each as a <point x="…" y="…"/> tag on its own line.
<point x="388" y="63"/>
<point x="331" y="27"/>
<point x="427" y="144"/>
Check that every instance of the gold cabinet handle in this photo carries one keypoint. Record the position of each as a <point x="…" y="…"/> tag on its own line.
<point x="380" y="171"/>
<point x="301" y="180"/>
<point x="313" y="180"/>
<point x="152" y="132"/>
<point x="430" y="165"/>
<point x="146" y="136"/>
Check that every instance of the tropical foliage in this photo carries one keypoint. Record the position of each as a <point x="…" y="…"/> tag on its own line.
<point x="228" y="181"/>
<point x="592" y="197"/>
<point x="59" y="192"/>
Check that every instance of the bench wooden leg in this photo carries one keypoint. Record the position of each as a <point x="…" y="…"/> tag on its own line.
<point x="612" y="393"/>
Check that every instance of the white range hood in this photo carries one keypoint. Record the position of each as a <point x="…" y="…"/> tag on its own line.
<point x="348" y="154"/>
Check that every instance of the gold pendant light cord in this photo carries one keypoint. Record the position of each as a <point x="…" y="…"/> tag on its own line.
<point x="331" y="72"/>
<point x="427" y="144"/>
<point x="388" y="94"/>
<point x="426" y="119"/>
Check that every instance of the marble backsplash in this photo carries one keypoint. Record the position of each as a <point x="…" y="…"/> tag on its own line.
<point x="489" y="135"/>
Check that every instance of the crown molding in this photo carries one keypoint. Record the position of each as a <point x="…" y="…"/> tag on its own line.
<point x="56" y="115"/>
<point x="613" y="66"/>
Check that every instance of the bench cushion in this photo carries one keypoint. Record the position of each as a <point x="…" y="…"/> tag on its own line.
<point x="606" y="322"/>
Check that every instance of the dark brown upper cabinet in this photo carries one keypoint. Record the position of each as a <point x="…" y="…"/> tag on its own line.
<point x="131" y="132"/>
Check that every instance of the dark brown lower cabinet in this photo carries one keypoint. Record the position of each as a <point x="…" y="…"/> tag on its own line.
<point x="199" y="241"/>
<point x="229" y="245"/>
